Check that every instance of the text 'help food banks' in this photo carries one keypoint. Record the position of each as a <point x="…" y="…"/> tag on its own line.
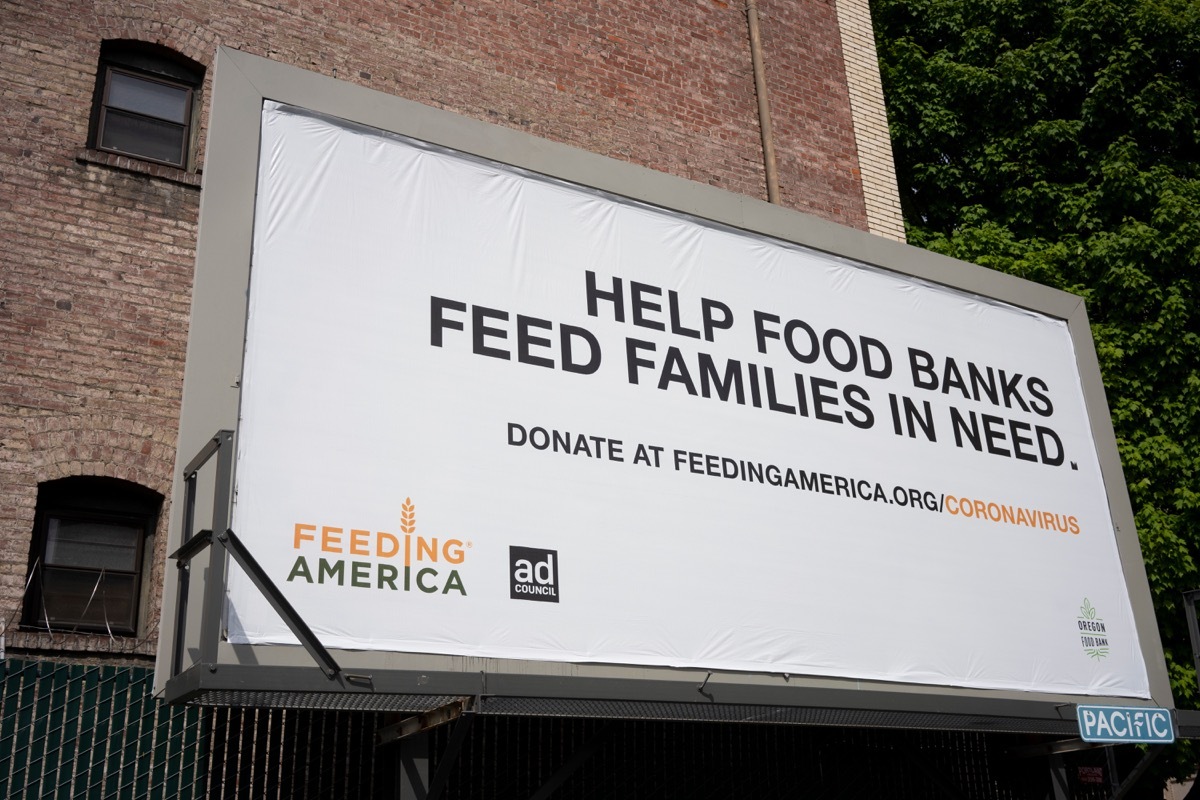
<point x="823" y="374"/>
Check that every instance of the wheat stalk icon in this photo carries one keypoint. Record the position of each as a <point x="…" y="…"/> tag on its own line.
<point x="408" y="516"/>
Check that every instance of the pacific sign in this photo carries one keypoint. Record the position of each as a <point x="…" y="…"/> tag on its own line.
<point x="487" y="413"/>
<point x="1120" y="724"/>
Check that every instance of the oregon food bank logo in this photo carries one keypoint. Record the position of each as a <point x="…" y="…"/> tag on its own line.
<point x="363" y="558"/>
<point x="533" y="574"/>
<point x="1093" y="634"/>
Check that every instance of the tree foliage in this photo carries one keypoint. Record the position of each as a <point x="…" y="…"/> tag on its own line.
<point x="1059" y="140"/>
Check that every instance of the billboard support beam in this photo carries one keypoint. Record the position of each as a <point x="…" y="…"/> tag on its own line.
<point x="412" y="772"/>
<point x="1061" y="789"/>
<point x="214" y="585"/>
<point x="233" y="545"/>
<point x="411" y="726"/>
<point x="450" y="756"/>
<point x="220" y="443"/>
<point x="1189" y="606"/>
<point x="291" y="617"/>
<point x="577" y="760"/>
<point x="1152" y="753"/>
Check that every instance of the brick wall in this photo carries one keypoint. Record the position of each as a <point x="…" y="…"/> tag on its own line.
<point x="96" y="252"/>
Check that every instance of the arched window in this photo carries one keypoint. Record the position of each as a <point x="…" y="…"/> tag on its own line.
<point x="145" y="103"/>
<point x="88" y="554"/>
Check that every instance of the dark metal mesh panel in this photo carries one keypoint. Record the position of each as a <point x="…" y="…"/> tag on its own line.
<point x="329" y="701"/>
<point x="635" y="709"/>
<point x="906" y="720"/>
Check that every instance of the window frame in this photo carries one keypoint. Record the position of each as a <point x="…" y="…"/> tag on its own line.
<point x="104" y="501"/>
<point x="185" y="126"/>
<point x="154" y="63"/>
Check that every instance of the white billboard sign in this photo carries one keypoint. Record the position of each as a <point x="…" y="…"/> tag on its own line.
<point x="486" y="413"/>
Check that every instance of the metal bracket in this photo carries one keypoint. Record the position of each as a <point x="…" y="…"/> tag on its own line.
<point x="423" y="722"/>
<point x="258" y="576"/>
<point x="220" y="445"/>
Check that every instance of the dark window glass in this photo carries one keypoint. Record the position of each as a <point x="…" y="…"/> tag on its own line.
<point x="87" y="554"/>
<point x="89" y="600"/>
<point x="148" y="98"/>
<point x="140" y="136"/>
<point x="93" y="543"/>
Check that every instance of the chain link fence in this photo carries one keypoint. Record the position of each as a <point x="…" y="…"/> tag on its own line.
<point x="71" y="730"/>
<point x="96" y="731"/>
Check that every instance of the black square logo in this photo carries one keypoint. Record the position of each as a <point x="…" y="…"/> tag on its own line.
<point x="533" y="574"/>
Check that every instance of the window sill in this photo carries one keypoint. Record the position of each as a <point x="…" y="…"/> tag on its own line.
<point x="78" y="643"/>
<point x="131" y="164"/>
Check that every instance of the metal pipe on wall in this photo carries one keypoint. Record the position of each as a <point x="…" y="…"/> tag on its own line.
<point x="764" y="107"/>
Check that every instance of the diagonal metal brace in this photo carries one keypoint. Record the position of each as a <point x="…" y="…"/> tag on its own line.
<point x="577" y="759"/>
<point x="458" y="736"/>
<point x="299" y="628"/>
<point x="1152" y="752"/>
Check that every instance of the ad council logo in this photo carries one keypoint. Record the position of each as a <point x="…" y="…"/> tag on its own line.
<point x="533" y="574"/>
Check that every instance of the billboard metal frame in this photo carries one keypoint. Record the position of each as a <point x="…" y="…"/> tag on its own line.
<point x="196" y="665"/>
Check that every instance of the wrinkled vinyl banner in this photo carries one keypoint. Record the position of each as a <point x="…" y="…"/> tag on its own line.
<point x="489" y="414"/>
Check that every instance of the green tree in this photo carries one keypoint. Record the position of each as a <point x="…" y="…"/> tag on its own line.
<point x="1059" y="140"/>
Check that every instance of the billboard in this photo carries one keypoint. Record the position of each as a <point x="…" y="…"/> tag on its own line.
<point x="486" y="412"/>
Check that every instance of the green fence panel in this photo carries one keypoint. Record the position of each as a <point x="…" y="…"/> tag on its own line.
<point x="139" y="738"/>
<point x="118" y="699"/>
<point x="9" y="753"/>
<point x="95" y="731"/>
<point x="36" y="744"/>
<point x="27" y="698"/>
<point x="72" y="676"/>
